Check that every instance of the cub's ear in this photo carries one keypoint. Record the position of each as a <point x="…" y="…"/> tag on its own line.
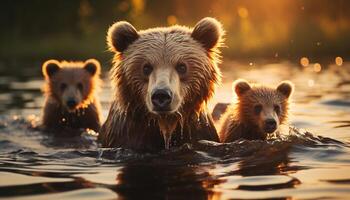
<point x="241" y="86"/>
<point x="120" y="35"/>
<point x="208" y="32"/>
<point x="92" y="66"/>
<point x="286" y="88"/>
<point x="50" y="67"/>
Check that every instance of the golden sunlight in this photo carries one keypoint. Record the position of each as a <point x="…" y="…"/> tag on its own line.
<point x="138" y="6"/>
<point x="171" y="20"/>
<point x="310" y="83"/>
<point x="200" y="99"/>
<point x="304" y="61"/>
<point x="317" y="67"/>
<point x="339" y="61"/>
<point x="243" y="12"/>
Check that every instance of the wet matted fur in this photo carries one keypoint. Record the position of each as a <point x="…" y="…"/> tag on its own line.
<point x="132" y="122"/>
<point x="246" y="119"/>
<point x="77" y="81"/>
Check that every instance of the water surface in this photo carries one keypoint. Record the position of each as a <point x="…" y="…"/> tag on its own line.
<point x="311" y="161"/>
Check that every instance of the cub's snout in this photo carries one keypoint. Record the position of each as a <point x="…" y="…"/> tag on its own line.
<point x="270" y="125"/>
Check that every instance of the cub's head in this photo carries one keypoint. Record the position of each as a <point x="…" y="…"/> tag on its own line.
<point x="165" y="70"/>
<point x="263" y="107"/>
<point x="72" y="84"/>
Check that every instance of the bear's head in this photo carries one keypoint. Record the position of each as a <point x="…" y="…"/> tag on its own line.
<point x="263" y="107"/>
<point x="71" y="84"/>
<point x="169" y="72"/>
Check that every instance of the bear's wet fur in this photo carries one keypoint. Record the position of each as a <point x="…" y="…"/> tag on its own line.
<point x="162" y="79"/>
<point x="71" y="103"/>
<point x="260" y="110"/>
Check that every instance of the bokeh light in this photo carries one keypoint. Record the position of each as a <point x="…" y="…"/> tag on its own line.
<point x="304" y="61"/>
<point x="317" y="67"/>
<point x="339" y="61"/>
<point x="243" y="12"/>
<point x="310" y="83"/>
<point x="171" y="19"/>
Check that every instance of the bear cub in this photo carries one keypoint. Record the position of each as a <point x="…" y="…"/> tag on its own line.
<point x="260" y="111"/>
<point x="70" y="91"/>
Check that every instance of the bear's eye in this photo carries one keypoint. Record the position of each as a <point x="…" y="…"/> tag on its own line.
<point x="277" y="109"/>
<point x="257" y="109"/>
<point x="181" y="68"/>
<point x="147" y="69"/>
<point x="63" y="86"/>
<point x="80" y="86"/>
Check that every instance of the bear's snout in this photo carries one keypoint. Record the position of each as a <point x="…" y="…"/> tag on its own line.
<point x="270" y="125"/>
<point x="71" y="103"/>
<point x="161" y="100"/>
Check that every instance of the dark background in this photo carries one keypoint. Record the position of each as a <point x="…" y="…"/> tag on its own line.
<point x="37" y="30"/>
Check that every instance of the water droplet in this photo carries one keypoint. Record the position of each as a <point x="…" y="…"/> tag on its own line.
<point x="181" y="121"/>
<point x="167" y="139"/>
<point x="181" y="130"/>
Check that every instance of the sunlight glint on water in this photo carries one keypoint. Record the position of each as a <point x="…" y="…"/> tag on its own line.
<point x="299" y="165"/>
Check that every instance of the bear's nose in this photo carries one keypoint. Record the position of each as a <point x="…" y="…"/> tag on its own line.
<point x="270" y="125"/>
<point x="161" y="99"/>
<point x="71" y="103"/>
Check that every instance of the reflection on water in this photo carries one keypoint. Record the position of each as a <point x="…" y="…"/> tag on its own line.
<point x="297" y="164"/>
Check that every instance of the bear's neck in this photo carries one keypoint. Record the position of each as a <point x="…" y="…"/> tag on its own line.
<point x="252" y="132"/>
<point x="56" y="117"/>
<point x="146" y="117"/>
<point x="139" y="129"/>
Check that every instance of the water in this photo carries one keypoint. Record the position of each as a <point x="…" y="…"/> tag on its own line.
<point x="311" y="161"/>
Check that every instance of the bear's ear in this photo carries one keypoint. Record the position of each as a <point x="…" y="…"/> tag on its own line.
<point x="50" y="67"/>
<point x="285" y="88"/>
<point x="208" y="32"/>
<point x="241" y="86"/>
<point x="120" y="35"/>
<point x="92" y="66"/>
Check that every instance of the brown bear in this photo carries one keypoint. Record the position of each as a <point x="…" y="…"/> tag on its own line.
<point x="70" y="91"/>
<point x="162" y="78"/>
<point x="259" y="111"/>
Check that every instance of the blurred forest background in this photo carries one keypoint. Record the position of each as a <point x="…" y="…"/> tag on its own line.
<point x="256" y="29"/>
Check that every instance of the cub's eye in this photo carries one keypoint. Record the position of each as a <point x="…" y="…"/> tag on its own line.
<point x="181" y="68"/>
<point x="257" y="109"/>
<point x="147" y="69"/>
<point x="80" y="86"/>
<point x="277" y="109"/>
<point x="63" y="86"/>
